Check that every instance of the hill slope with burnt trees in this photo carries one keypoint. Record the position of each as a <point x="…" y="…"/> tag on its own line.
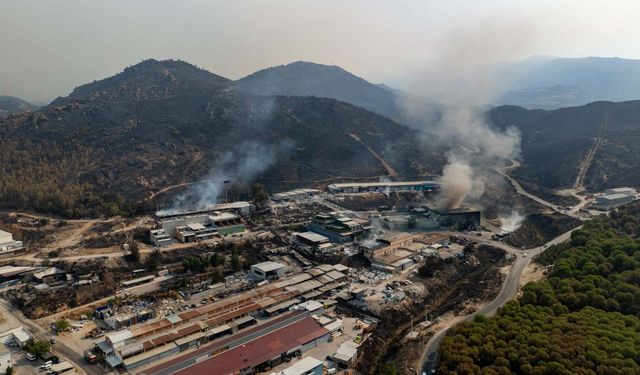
<point x="109" y="144"/>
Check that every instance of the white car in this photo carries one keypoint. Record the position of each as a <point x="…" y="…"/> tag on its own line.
<point x="31" y="357"/>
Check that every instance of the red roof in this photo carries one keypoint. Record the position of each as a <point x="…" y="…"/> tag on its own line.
<point x="259" y="350"/>
<point x="214" y="345"/>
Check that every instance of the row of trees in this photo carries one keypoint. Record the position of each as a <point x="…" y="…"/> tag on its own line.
<point x="583" y="319"/>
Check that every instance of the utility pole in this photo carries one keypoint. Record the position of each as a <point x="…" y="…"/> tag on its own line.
<point x="226" y="191"/>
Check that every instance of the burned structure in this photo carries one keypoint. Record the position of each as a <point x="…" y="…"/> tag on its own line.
<point x="425" y="218"/>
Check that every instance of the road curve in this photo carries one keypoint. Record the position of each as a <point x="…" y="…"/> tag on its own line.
<point x="508" y="291"/>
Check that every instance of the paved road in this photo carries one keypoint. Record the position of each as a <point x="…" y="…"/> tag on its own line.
<point x="72" y="356"/>
<point x="516" y="185"/>
<point x="508" y="291"/>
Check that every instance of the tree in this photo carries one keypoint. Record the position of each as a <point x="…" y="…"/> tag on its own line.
<point x="236" y="262"/>
<point x="9" y="370"/>
<point x="62" y="325"/>
<point x="134" y="251"/>
<point x="152" y="261"/>
<point x="260" y="194"/>
<point x="39" y="347"/>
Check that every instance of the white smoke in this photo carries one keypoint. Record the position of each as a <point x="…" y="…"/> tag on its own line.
<point x="462" y="79"/>
<point x="475" y="149"/>
<point x="511" y="223"/>
<point x="238" y="168"/>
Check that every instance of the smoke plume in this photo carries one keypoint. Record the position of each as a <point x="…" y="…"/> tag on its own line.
<point x="461" y="77"/>
<point x="239" y="168"/>
<point x="511" y="223"/>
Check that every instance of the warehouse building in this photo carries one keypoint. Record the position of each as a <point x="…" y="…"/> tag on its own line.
<point x="383" y="187"/>
<point x="395" y="254"/>
<point x="239" y="208"/>
<point x="265" y="351"/>
<point x="295" y="195"/>
<point x="268" y="270"/>
<point x="610" y="201"/>
<point x="340" y="229"/>
<point x="425" y="218"/>
<point x="8" y="244"/>
<point x="142" y="344"/>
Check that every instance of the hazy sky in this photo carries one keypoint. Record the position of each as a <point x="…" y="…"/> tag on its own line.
<point x="49" y="47"/>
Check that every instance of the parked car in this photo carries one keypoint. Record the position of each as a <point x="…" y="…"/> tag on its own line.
<point x="31" y="357"/>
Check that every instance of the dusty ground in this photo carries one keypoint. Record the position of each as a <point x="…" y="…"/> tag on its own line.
<point x="532" y="272"/>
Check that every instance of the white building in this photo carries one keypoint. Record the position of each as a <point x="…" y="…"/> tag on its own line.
<point x="7" y="243"/>
<point x="305" y="366"/>
<point x="609" y="201"/>
<point x="268" y="270"/>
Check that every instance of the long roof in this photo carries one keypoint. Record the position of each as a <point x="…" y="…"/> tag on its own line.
<point x="381" y="184"/>
<point x="259" y="350"/>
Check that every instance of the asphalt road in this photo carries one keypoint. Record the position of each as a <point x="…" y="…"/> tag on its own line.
<point x="507" y="292"/>
<point x="76" y="359"/>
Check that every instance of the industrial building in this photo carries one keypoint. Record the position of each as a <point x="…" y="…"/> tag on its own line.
<point x="265" y="352"/>
<point x="268" y="270"/>
<point x="615" y="197"/>
<point x="159" y="237"/>
<point x="395" y="254"/>
<point x="383" y="187"/>
<point x="156" y="339"/>
<point x="340" y="229"/>
<point x="424" y="218"/>
<point x="194" y="228"/>
<point x="240" y="208"/>
<point x="8" y="244"/>
<point x="295" y="195"/>
<point x="312" y="241"/>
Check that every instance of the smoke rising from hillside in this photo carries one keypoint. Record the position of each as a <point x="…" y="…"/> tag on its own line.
<point x="461" y="79"/>
<point x="238" y="168"/>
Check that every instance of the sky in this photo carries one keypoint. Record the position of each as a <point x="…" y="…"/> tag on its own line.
<point x="49" y="47"/>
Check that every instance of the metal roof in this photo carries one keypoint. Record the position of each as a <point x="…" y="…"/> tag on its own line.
<point x="268" y="266"/>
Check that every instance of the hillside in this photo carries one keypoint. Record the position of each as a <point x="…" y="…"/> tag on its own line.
<point x="551" y="83"/>
<point x="583" y="319"/>
<point x="11" y="104"/>
<point x="324" y="81"/>
<point x="160" y="123"/>
<point x="554" y="143"/>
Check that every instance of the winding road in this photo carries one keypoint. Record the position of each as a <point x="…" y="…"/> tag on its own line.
<point x="511" y="283"/>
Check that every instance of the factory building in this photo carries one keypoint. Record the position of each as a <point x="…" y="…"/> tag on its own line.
<point x="340" y="229"/>
<point x="264" y="352"/>
<point x="151" y="341"/>
<point x="395" y="254"/>
<point x="268" y="270"/>
<point x="193" y="228"/>
<point x="383" y="187"/>
<point x="424" y="218"/>
<point x="312" y="241"/>
<point x="7" y="243"/>
<point x="610" y="201"/>
<point x="239" y="208"/>
<point x="295" y="195"/>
